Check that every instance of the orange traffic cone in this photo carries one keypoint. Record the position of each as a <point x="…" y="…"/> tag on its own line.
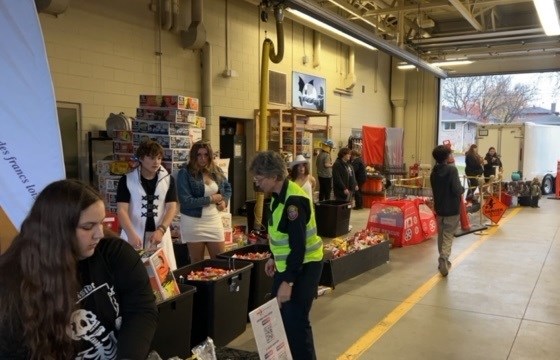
<point x="465" y="222"/>
<point x="466" y="227"/>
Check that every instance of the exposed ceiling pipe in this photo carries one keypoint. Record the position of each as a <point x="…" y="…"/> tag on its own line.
<point x="338" y="22"/>
<point x="176" y="25"/>
<point x="166" y="15"/>
<point x="350" y="80"/>
<point x="195" y="36"/>
<point x="316" y="49"/>
<point x="351" y="76"/>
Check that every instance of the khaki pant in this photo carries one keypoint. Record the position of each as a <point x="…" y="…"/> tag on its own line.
<point x="446" y="233"/>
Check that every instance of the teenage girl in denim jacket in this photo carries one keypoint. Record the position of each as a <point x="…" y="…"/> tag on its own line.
<point x="203" y="192"/>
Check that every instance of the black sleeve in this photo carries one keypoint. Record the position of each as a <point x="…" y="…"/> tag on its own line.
<point x="456" y="186"/>
<point x="137" y="301"/>
<point x="171" y="195"/>
<point x="123" y="194"/>
<point x="338" y="182"/>
<point x="293" y="222"/>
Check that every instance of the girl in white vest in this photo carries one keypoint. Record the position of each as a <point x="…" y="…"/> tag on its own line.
<point x="147" y="202"/>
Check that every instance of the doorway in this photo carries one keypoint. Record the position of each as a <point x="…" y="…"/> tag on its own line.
<point x="69" y="122"/>
<point x="233" y="146"/>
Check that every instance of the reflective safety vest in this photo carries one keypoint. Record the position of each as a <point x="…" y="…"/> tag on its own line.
<point x="279" y="244"/>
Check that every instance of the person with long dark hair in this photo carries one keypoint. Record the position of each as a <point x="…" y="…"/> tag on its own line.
<point x="203" y="192"/>
<point x="473" y="169"/>
<point x="67" y="290"/>
<point x="491" y="162"/>
<point x="344" y="181"/>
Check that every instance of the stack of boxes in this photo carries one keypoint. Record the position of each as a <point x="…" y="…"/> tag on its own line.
<point x="170" y="120"/>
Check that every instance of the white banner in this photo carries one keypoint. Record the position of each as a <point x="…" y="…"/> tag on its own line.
<point x="30" y="145"/>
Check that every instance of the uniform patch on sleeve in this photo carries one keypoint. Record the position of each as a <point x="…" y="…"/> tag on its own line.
<point x="293" y="212"/>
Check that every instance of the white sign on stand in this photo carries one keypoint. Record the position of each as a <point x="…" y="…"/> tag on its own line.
<point x="269" y="332"/>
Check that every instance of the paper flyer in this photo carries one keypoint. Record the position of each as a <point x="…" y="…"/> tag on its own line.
<point x="269" y="332"/>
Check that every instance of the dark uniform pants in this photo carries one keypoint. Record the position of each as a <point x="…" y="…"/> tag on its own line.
<point x="295" y="313"/>
<point x="325" y="188"/>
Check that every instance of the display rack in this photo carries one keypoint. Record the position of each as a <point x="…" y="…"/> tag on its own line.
<point x="290" y="130"/>
<point x="93" y="152"/>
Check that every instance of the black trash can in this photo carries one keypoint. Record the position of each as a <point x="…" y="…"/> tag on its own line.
<point x="332" y="217"/>
<point x="173" y="333"/>
<point x="261" y="284"/>
<point x="220" y="306"/>
<point x="250" y="205"/>
<point x="182" y="257"/>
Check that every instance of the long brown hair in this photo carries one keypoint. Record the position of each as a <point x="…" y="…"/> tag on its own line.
<point x="38" y="271"/>
<point x="211" y="168"/>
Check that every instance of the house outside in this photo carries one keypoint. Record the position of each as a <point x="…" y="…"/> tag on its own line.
<point x="539" y="115"/>
<point x="456" y="128"/>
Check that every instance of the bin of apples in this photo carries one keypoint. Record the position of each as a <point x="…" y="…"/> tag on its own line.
<point x="208" y="274"/>
<point x="360" y="240"/>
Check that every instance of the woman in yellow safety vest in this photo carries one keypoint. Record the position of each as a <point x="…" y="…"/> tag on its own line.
<point x="296" y="248"/>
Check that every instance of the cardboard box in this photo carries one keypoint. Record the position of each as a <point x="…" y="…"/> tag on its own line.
<point x="122" y="135"/>
<point x="172" y="167"/>
<point x="176" y="155"/>
<point x="160" y="128"/>
<point x="226" y="220"/>
<point x="195" y="134"/>
<point x="166" y="141"/>
<point x="200" y="122"/>
<point x="122" y="147"/>
<point x="166" y="114"/>
<point x="161" y="277"/>
<point x="228" y="236"/>
<point x="169" y="101"/>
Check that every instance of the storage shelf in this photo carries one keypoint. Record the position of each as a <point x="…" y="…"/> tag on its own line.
<point x="289" y="128"/>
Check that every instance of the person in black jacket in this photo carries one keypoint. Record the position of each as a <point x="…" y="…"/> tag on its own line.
<point x="447" y="192"/>
<point x="491" y="160"/>
<point x="344" y="182"/>
<point x="67" y="291"/>
<point x="473" y="168"/>
<point x="360" y="175"/>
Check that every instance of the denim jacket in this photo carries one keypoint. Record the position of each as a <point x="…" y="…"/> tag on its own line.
<point x="190" y="191"/>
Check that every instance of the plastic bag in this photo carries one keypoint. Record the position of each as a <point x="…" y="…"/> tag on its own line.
<point x="205" y="350"/>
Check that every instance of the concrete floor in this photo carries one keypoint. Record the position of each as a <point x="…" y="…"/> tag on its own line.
<point x="501" y="299"/>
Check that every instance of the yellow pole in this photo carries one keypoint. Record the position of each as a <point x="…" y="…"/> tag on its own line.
<point x="268" y="52"/>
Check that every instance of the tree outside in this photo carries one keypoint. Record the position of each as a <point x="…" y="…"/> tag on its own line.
<point x="493" y="99"/>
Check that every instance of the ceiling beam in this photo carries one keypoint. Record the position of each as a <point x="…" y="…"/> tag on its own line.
<point x="330" y="18"/>
<point x="466" y="14"/>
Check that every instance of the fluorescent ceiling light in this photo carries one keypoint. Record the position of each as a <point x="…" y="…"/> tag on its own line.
<point x="319" y="12"/>
<point x="548" y="15"/>
<point x="452" y="63"/>
<point x="329" y="28"/>
<point x="406" y="67"/>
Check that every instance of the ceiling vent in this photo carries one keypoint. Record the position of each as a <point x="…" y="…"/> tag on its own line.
<point x="52" y="7"/>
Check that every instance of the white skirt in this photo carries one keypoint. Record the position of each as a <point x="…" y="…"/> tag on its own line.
<point x="207" y="228"/>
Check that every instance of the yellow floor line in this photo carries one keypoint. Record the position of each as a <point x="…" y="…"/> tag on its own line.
<point x="375" y="333"/>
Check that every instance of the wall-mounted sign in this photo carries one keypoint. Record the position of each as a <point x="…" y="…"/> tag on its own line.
<point x="308" y="91"/>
